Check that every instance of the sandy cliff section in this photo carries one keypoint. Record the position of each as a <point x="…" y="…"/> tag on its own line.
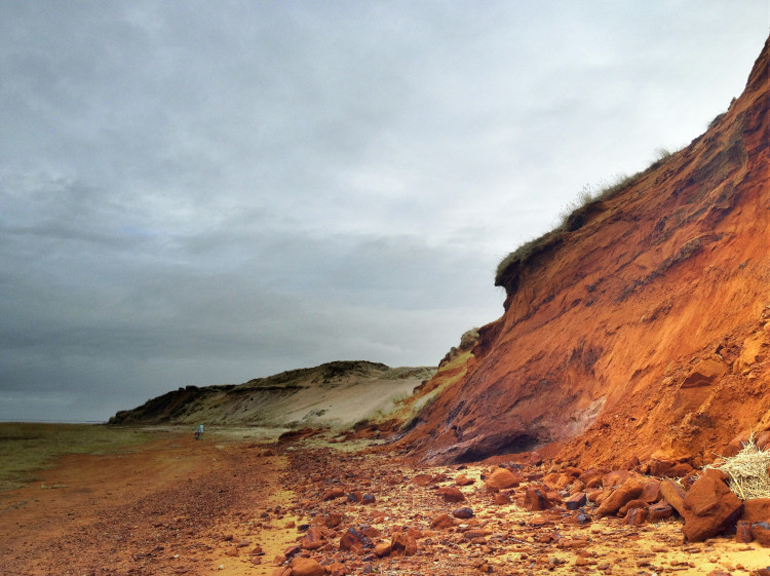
<point x="336" y="394"/>
<point x="641" y="328"/>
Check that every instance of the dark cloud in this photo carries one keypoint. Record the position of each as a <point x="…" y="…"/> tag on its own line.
<point x="206" y="192"/>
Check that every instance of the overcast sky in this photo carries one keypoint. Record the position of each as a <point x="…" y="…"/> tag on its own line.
<point x="207" y="192"/>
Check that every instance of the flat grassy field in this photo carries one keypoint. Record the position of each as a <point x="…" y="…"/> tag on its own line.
<point x="28" y="447"/>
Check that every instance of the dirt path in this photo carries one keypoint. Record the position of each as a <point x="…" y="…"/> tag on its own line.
<point x="231" y="507"/>
<point x="173" y="507"/>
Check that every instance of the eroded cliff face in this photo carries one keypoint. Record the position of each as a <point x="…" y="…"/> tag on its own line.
<point x="642" y="329"/>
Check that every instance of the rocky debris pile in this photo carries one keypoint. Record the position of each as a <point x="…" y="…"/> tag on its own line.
<point x="374" y="514"/>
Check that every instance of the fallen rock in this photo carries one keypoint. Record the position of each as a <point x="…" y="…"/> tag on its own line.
<point x="355" y="541"/>
<point x="628" y="491"/>
<point x="313" y="540"/>
<point x="501" y="479"/>
<point x="756" y="510"/>
<point x="333" y="494"/>
<point x="673" y="494"/>
<point x="576" y="501"/>
<point x="535" y="500"/>
<point x="451" y="494"/>
<point x="659" y="511"/>
<point x="463" y="480"/>
<point x="382" y="549"/>
<point x="710" y="507"/>
<point x="442" y="521"/>
<point x="403" y="544"/>
<point x="502" y="499"/>
<point x="761" y="533"/>
<point x="631" y="505"/>
<point x="306" y="567"/>
<point x="636" y="517"/>
<point x="743" y="532"/>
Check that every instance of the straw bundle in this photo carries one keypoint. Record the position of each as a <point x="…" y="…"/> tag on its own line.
<point x="748" y="471"/>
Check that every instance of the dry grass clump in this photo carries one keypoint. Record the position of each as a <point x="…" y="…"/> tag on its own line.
<point x="748" y="471"/>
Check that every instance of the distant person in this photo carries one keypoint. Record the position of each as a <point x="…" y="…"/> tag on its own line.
<point x="199" y="432"/>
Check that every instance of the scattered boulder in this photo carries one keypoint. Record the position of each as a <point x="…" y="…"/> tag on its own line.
<point x="355" y="541"/>
<point x="451" y="494"/>
<point x="659" y="511"/>
<point x="536" y="500"/>
<point x="403" y="544"/>
<point x="313" y="540"/>
<point x="576" y="501"/>
<point x="333" y="494"/>
<point x="501" y="479"/>
<point x="673" y="494"/>
<point x="628" y="491"/>
<point x="442" y="521"/>
<point x="463" y="480"/>
<point x="306" y="567"/>
<point x="756" y="510"/>
<point x="761" y="533"/>
<point x="743" y="532"/>
<point x="710" y="507"/>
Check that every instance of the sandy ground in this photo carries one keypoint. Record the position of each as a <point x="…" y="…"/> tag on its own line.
<point x="229" y="507"/>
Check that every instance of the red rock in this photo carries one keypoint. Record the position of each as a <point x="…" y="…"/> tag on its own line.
<point x="616" y="478"/>
<point x="761" y="533"/>
<point x="334" y="493"/>
<point x="336" y="569"/>
<point x="306" y="567"/>
<point x="651" y="491"/>
<point x="463" y="480"/>
<point x="313" y="540"/>
<point x="761" y="572"/>
<point x="756" y="510"/>
<point x="659" y="511"/>
<point x="451" y="494"/>
<point x="442" y="521"/>
<point x="592" y="478"/>
<point x="291" y="550"/>
<point x="743" y="532"/>
<point x="422" y="479"/>
<point x="501" y="479"/>
<point x="502" y="499"/>
<point x="630" y="505"/>
<point x="636" y="517"/>
<point x="355" y="541"/>
<point x="595" y="496"/>
<point x="576" y="501"/>
<point x="382" y="549"/>
<point x="333" y="520"/>
<point x="710" y="507"/>
<point x="403" y="544"/>
<point x="577" y="486"/>
<point x="535" y="500"/>
<point x="630" y="489"/>
<point x="673" y="494"/>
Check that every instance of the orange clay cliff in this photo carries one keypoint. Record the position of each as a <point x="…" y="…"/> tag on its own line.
<point x="639" y="329"/>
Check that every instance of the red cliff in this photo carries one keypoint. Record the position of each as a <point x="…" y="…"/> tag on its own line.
<point x="641" y="327"/>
